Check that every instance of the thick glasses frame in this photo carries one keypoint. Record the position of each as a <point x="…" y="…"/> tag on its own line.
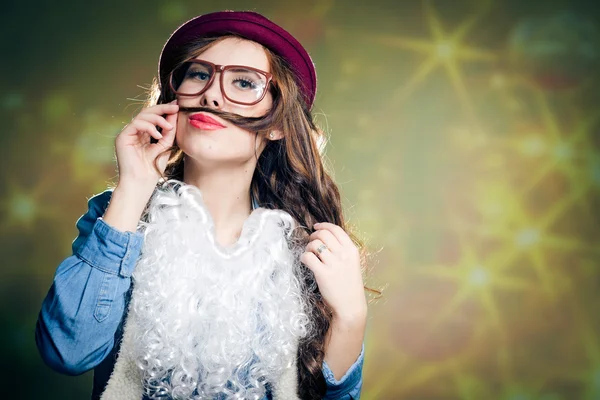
<point x="222" y="68"/>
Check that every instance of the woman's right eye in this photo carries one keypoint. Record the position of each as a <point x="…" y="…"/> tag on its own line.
<point x="201" y="75"/>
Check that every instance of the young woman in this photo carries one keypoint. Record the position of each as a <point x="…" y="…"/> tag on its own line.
<point x="219" y="266"/>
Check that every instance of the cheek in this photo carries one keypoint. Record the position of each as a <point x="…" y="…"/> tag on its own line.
<point x="263" y="107"/>
<point x="244" y="143"/>
<point x="257" y="110"/>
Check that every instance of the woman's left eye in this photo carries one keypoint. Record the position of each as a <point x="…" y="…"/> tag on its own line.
<point x="244" y="83"/>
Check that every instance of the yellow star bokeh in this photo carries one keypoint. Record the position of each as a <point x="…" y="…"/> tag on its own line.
<point x="521" y="212"/>
<point x="442" y="50"/>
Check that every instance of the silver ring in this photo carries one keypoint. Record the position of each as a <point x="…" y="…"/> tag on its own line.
<point x="321" y="248"/>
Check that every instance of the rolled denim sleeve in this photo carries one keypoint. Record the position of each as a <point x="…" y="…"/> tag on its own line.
<point x="84" y="306"/>
<point x="350" y="385"/>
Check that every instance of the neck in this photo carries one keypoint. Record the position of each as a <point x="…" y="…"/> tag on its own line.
<point x="226" y="194"/>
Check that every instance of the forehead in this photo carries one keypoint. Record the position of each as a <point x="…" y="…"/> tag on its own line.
<point x="235" y="51"/>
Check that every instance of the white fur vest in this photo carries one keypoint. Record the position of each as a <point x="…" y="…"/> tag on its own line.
<point x="180" y="255"/>
<point x="125" y="383"/>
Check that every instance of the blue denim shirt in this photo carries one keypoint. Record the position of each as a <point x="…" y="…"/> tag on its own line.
<point x="80" y="324"/>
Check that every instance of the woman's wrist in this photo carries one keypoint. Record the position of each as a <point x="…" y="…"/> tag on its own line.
<point x="350" y="321"/>
<point x="126" y="205"/>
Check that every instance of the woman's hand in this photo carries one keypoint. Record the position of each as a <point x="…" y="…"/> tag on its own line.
<point x="136" y="154"/>
<point x="337" y="271"/>
<point x="338" y="274"/>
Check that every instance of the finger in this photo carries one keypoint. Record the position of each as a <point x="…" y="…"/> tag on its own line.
<point x="145" y="126"/>
<point x="324" y="255"/>
<point x="171" y="119"/>
<point x="328" y="238"/>
<point x="160" y="109"/>
<point x="169" y="135"/>
<point x="337" y="231"/>
<point x="156" y="120"/>
<point x="312" y="262"/>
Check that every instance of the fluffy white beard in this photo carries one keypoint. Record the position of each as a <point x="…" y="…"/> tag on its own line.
<point x="213" y="321"/>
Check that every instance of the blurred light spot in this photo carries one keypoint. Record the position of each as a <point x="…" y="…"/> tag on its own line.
<point x="366" y="195"/>
<point x="385" y="172"/>
<point x="444" y="50"/>
<point x="94" y="147"/>
<point x="495" y="160"/>
<point x="55" y="107"/>
<point x="563" y="152"/>
<point x="172" y="11"/>
<point x="514" y="105"/>
<point x="527" y="237"/>
<point x="532" y="146"/>
<point x="12" y="101"/>
<point x="479" y="276"/>
<point x="461" y="136"/>
<point x="480" y="139"/>
<point x="498" y="81"/>
<point x="356" y="143"/>
<point x="22" y="208"/>
<point x="493" y="209"/>
<point x="364" y="120"/>
<point x="349" y="67"/>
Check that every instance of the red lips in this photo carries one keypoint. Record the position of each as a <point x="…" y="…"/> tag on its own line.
<point x="203" y="121"/>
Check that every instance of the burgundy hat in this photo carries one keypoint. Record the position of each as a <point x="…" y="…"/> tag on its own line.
<point x="252" y="26"/>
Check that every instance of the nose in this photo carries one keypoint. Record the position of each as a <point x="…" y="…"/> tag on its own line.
<point x="213" y="97"/>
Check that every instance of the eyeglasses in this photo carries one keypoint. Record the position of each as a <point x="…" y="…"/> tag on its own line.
<point x="239" y="84"/>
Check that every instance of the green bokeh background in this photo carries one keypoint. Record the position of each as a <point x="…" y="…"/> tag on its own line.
<point x="464" y="135"/>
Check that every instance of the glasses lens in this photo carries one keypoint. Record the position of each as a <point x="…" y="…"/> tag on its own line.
<point x="191" y="78"/>
<point x="244" y="85"/>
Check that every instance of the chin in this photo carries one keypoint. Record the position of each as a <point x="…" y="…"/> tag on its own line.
<point x="212" y="153"/>
<point x="214" y="158"/>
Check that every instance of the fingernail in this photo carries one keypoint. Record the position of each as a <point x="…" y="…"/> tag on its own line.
<point x="169" y="126"/>
<point x="317" y="224"/>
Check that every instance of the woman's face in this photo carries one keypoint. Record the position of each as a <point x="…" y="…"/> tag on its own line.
<point x="228" y="145"/>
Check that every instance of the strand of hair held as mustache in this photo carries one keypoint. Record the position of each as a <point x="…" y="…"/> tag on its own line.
<point x="253" y="124"/>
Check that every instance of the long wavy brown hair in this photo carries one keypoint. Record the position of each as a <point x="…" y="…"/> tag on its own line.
<point x="289" y="175"/>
